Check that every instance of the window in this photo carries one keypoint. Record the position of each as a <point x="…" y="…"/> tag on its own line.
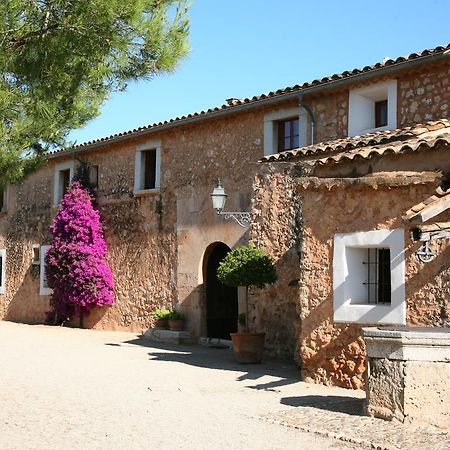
<point x="93" y="176"/>
<point x="35" y="254"/>
<point x="373" y="108"/>
<point x="63" y="175"/>
<point x="368" y="277"/>
<point x="43" y="286"/>
<point x="381" y="113"/>
<point x="288" y="134"/>
<point x="285" y="129"/>
<point x="2" y="271"/>
<point x="378" y="280"/>
<point x="2" y="200"/>
<point x="147" y="167"/>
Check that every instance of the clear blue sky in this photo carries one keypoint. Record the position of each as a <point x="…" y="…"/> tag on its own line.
<point x="241" y="48"/>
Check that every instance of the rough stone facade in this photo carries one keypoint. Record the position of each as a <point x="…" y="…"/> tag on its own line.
<point x="333" y="353"/>
<point x="159" y="242"/>
<point x="146" y="233"/>
<point x="423" y="96"/>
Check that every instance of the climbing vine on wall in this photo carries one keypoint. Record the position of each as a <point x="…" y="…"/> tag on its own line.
<point x="76" y="265"/>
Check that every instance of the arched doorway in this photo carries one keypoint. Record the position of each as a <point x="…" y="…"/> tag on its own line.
<point x="221" y="300"/>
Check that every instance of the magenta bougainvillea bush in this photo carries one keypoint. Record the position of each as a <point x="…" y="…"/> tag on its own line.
<point x="77" y="269"/>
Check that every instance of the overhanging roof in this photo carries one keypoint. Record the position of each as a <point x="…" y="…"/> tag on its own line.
<point x="334" y="81"/>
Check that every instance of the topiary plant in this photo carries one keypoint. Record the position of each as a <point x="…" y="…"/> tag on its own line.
<point x="247" y="266"/>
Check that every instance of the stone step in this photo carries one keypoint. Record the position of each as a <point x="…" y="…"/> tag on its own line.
<point x="215" y="342"/>
<point x="167" y="336"/>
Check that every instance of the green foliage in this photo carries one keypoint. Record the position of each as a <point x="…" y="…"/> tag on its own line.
<point x="242" y="319"/>
<point x="247" y="266"/>
<point x="175" y="315"/>
<point x="161" y="314"/>
<point x="60" y="60"/>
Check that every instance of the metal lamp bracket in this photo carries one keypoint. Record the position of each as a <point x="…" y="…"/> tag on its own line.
<point x="425" y="253"/>
<point x="242" y="218"/>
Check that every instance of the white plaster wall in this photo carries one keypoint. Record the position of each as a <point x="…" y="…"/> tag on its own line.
<point x="361" y="108"/>
<point x="348" y="278"/>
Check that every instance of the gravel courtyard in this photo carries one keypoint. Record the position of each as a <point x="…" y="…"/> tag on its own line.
<point x="81" y="389"/>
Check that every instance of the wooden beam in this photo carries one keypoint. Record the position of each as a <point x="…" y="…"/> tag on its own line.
<point x="436" y="226"/>
<point x="433" y="235"/>
<point x="431" y="210"/>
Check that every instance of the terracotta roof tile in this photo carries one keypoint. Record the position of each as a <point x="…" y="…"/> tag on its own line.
<point x="418" y="137"/>
<point x="257" y="98"/>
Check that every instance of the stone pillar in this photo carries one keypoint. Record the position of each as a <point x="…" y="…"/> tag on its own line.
<point x="409" y="374"/>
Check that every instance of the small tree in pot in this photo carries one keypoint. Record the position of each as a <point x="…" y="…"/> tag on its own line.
<point x="247" y="266"/>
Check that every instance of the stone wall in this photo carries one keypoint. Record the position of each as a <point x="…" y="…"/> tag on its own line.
<point x="276" y="227"/>
<point x="424" y="96"/>
<point x="296" y="223"/>
<point x="146" y="234"/>
<point x="409" y="370"/>
<point x="157" y="242"/>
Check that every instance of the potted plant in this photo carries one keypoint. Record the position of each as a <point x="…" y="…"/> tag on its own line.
<point x="161" y="317"/>
<point x="247" y="266"/>
<point x="176" y="319"/>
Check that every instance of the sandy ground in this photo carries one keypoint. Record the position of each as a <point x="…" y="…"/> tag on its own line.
<point x="81" y="389"/>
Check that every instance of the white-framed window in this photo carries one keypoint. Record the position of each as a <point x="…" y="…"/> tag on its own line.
<point x="369" y="277"/>
<point x="2" y="271"/>
<point x="43" y="286"/>
<point x="284" y="129"/>
<point x="63" y="175"/>
<point x="147" y="169"/>
<point x="372" y="108"/>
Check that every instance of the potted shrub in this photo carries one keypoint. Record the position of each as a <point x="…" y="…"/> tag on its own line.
<point x="176" y="320"/>
<point x="247" y="266"/>
<point x="161" y="317"/>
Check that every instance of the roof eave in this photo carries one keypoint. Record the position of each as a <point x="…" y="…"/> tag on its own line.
<point x="330" y="85"/>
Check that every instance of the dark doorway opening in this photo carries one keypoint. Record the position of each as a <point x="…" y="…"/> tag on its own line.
<point x="221" y="300"/>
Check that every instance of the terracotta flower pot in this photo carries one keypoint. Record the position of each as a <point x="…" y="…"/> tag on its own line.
<point x="162" y="323"/>
<point x="175" y="325"/>
<point x="248" y="347"/>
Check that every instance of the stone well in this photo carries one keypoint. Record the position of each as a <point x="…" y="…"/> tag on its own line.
<point x="409" y="374"/>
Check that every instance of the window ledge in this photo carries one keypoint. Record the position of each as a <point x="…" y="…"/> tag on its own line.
<point x="4" y="212"/>
<point x="146" y="192"/>
<point x="45" y="291"/>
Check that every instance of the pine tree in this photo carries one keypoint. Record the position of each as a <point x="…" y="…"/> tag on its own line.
<point x="60" y="60"/>
<point x="76" y="265"/>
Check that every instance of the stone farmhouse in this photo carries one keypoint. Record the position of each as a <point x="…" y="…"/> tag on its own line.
<point x="346" y="181"/>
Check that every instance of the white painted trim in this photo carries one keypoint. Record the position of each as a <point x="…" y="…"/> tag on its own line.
<point x="271" y="130"/>
<point x="361" y="107"/>
<point x="43" y="290"/>
<point x="138" y="171"/>
<point x="57" y="194"/>
<point x="3" y="270"/>
<point x="348" y="310"/>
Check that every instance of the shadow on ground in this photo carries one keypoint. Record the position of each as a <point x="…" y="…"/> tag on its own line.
<point x="348" y="405"/>
<point x="222" y="359"/>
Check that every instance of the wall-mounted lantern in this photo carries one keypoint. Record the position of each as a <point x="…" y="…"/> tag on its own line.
<point x="219" y="197"/>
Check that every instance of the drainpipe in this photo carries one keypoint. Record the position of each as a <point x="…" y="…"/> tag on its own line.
<point x="301" y="102"/>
